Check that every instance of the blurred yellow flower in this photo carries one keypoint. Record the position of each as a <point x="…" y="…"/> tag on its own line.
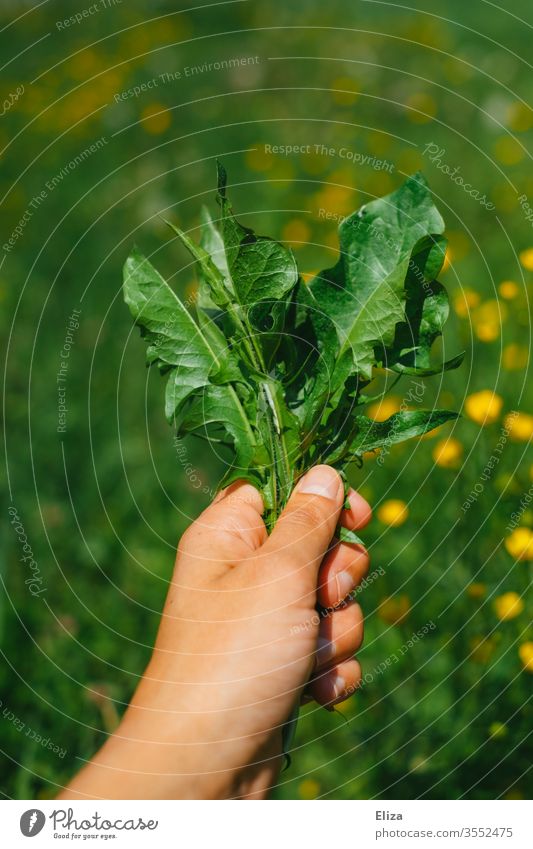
<point x="519" y="544"/>
<point x="515" y="357"/>
<point x="345" y="91"/>
<point x="508" y="606"/>
<point x="297" y="232"/>
<point x="525" y="653"/>
<point x="520" y="426"/>
<point x="483" y="407"/>
<point x="393" y="512"/>
<point x="447" y="259"/>
<point x="448" y="453"/>
<point x="258" y="159"/>
<point x="308" y="789"/>
<point x="307" y="276"/>
<point x="498" y="729"/>
<point x="384" y="408"/>
<point x="487" y="319"/>
<point x="520" y="117"/>
<point x="482" y="648"/>
<point x="155" y="119"/>
<point x="508" y="289"/>
<point x="421" y="108"/>
<point x="394" y="609"/>
<point x="509" y="150"/>
<point x="464" y="301"/>
<point x="334" y="198"/>
<point x="409" y="160"/>
<point x="191" y="292"/>
<point x="526" y="258"/>
<point x="379" y="142"/>
<point x="476" y="590"/>
<point x="459" y="243"/>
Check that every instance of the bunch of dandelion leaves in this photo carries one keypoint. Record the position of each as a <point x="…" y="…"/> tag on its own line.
<point x="277" y="371"/>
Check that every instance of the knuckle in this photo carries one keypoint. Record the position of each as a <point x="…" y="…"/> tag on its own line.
<point x="308" y="515"/>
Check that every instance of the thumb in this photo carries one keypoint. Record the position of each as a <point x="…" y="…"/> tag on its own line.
<point x="304" y="530"/>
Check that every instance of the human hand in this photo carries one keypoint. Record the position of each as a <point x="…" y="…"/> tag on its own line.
<point x="240" y="642"/>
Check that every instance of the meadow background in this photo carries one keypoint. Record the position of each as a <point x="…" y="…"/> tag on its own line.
<point x="376" y="86"/>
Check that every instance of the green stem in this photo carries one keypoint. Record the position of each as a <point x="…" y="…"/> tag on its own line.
<point x="281" y="477"/>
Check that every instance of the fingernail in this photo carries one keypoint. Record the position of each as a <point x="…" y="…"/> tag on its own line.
<point x="344" y="583"/>
<point x="339" y="686"/>
<point x="322" y="480"/>
<point x="325" y="651"/>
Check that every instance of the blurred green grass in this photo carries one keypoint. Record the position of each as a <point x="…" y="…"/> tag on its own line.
<point x="104" y="505"/>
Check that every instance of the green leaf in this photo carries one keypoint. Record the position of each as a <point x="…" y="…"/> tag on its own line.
<point x="345" y="535"/>
<point x="399" y="427"/>
<point x="427" y="309"/>
<point x="259" y="267"/>
<point x="363" y="294"/>
<point x="214" y="285"/>
<point x="174" y="339"/>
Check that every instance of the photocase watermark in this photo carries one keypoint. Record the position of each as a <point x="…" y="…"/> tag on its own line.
<point x="185" y="73"/>
<point x="395" y="657"/>
<point x="516" y="515"/>
<point x="50" y="186"/>
<point x="29" y="732"/>
<point x="35" y="581"/>
<point x="435" y="154"/>
<point x="526" y="208"/>
<point x="365" y="159"/>
<point x="414" y="396"/>
<point x="317" y="617"/>
<point x="88" y="12"/>
<point x="490" y="465"/>
<point x="191" y="472"/>
<point x="61" y="376"/>
<point x="11" y="99"/>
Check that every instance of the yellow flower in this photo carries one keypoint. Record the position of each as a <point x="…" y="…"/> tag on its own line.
<point x="487" y="319"/>
<point x="508" y="606"/>
<point x="482" y="648"/>
<point x="384" y="408"/>
<point x="421" y="108"/>
<point x="309" y="789"/>
<point x="296" y="232"/>
<point x="409" y="160"/>
<point x="519" y="544"/>
<point x="520" y="117"/>
<point x="509" y="150"/>
<point x="515" y="357"/>
<point x="307" y="276"/>
<point x="508" y="289"/>
<point x="526" y="258"/>
<point x="520" y="426"/>
<point x="337" y="198"/>
<point x="525" y="653"/>
<point x="394" y="609"/>
<point x="448" y="453"/>
<point x="483" y="407"/>
<point x="464" y="301"/>
<point x="393" y="512"/>
<point x="498" y="729"/>
<point x="155" y="119"/>
<point x="476" y="590"/>
<point x="258" y="159"/>
<point x="345" y="91"/>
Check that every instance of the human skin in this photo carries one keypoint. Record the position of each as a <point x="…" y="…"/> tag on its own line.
<point x="239" y="645"/>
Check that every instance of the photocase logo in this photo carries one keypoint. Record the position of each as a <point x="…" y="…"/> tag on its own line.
<point x="32" y="822"/>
